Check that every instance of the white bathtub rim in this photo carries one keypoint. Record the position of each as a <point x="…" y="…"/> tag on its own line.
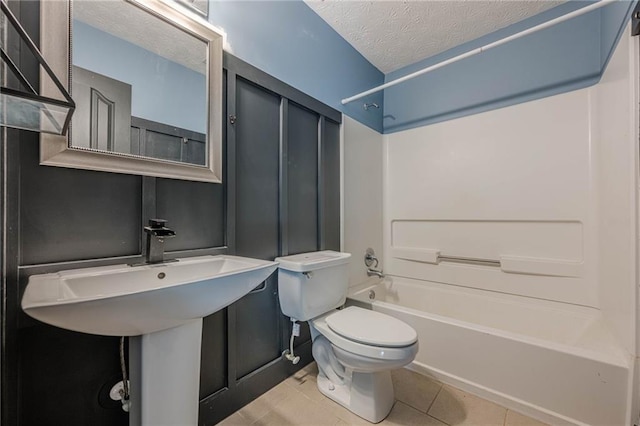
<point x="618" y="359"/>
<point x="617" y="356"/>
<point x="555" y="305"/>
<point x="505" y="400"/>
<point x="574" y="308"/>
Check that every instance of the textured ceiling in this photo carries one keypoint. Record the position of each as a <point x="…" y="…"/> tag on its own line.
<point x="133" y="24"/>
<point x="394" y="34"/>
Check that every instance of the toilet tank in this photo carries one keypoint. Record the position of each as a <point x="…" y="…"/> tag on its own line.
<point x="310" y="284"/>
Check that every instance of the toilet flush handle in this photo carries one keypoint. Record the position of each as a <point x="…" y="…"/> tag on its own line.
<point x="309" y="275"/>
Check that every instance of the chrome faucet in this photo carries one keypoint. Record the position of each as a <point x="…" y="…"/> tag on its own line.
<point x="378" y="273"/>
<point x="156" y="233"/>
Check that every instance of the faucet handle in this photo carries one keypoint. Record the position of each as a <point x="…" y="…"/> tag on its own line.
<point x="157" y="223"/>
<point x="158" y="229"/>
<point x="370" y="258"/>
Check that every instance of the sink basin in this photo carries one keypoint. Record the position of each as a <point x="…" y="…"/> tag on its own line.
<point x="162" y="306"/>
<point x="125" y="300"/>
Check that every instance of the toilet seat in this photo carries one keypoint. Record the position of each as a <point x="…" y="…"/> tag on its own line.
<point x="371" y="328"/>
<point x="368" y="350"/>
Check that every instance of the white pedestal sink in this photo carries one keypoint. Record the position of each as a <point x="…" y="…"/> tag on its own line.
<point x="163" y="304"/>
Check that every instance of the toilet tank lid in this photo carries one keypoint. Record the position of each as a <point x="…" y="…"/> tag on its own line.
<point x="305" y="262"/>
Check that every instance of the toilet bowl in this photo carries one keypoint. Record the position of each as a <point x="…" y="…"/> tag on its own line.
<point x="355" y="348"/>
<point x="370" y="340"/>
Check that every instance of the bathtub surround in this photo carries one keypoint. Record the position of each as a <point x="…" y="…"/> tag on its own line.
<point x="551" y="184"/>
<point x="362" y="212"/>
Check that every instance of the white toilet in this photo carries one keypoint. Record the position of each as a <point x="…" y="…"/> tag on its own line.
<point x="355" y="348"/>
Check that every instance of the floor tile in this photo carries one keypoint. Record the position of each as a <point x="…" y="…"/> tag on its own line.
<point x="420" y="401"/>
<point x="310" y="389"/>
<point x="266" y="402"/>
<point x="517" y="419"/>
<point x="414" y="389"/>
<point x="236" y="419"/>
<point x="298" y="409"/>
<point x="309" y="372"/>
<point x="455" y="407"/>
<point x="402" y="414"/>
<point x="274" y="418"/>
<point x="306" y="382"/>
<point x="342" y="413"/>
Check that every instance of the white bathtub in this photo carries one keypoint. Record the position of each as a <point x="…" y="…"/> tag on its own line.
<point x="553" y="361"/>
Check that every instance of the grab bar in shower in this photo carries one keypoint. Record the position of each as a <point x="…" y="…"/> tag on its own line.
<point x="509" y="264"/>
<point x="474" y="261"/>
<point x="434" y="256"/>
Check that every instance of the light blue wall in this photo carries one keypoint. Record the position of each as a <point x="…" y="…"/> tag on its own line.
<point x="565" y="57"/>
<point x="162" y="90"/>
<point x="289" y="41"/>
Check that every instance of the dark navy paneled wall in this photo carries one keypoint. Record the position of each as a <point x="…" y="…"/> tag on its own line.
<point x="59" y="218"/>
<point x="54" y="222"/>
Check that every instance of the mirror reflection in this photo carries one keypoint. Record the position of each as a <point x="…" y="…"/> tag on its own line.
<point x="139" y="82"/>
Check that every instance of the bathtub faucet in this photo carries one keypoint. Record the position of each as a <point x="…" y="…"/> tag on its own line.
<point x="378" y="273"/>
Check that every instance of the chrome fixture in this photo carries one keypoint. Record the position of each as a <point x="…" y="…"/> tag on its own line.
<point x="369" y="259"/>
<point x="25" y="108"/>
<point x="372" y="104"/>
<point x="471" y="260"/>
<point x="156" y="233"/>
<point x="375" y="272"/>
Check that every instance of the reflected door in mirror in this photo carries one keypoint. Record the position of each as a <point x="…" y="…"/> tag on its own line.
<point x="140" y="84"/>
<point x="103" y="115"/>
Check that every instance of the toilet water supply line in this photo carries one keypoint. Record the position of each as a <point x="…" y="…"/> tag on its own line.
<point x="479" y="50"/>
<point x="322" y="352"/>
<point x="295" y="332"/>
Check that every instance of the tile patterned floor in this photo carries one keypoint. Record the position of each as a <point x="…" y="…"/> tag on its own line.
<point x="419" y="401"/>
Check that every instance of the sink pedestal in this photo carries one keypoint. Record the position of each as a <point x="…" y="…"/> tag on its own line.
<point x="165" y="376"/>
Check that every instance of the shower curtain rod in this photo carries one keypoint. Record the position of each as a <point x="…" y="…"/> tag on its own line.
<point x="478" y="50"/>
